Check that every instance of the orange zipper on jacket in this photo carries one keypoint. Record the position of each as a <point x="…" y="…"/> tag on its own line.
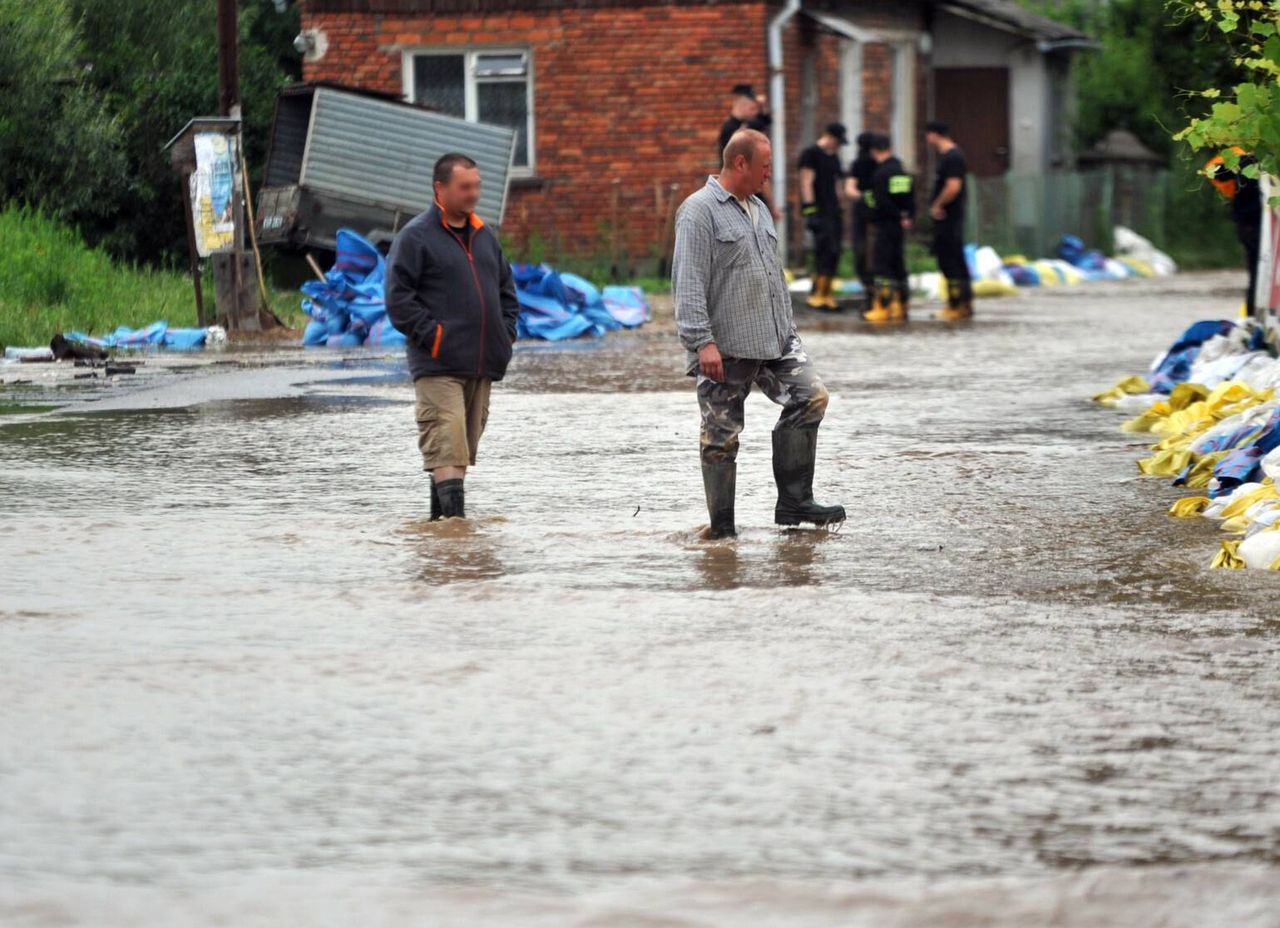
<point x="476" y="225"/>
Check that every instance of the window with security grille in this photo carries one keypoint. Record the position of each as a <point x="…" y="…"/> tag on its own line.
<point x="490" y="86"/>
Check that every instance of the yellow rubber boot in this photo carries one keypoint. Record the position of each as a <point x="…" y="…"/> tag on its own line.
<point x="881" y="311"/>
<point x="828" y="296"/>
<point x="899" y="303"/>
<point x="818" y="297"/>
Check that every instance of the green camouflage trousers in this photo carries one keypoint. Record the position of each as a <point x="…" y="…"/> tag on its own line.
<point x="790" y="381"/>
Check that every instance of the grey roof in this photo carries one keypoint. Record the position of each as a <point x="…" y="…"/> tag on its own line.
<point x="1016" y="18"/>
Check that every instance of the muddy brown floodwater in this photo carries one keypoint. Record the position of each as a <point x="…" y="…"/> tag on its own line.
<point x="244" y="682"/>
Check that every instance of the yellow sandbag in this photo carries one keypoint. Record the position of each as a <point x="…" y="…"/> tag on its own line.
<point x="1141" y="268"/>
<point x="1165" y="463"/>
<point x="1238" y="506"/>
<point x="1189" y="507"/>
<point x="1014" y="259"/>
<point x="1226" y="394"/>
<point x="1202" y="472"/>
<point x="1144" y="421"/>
<point x="1048" y="274"/>
<point x="1184" y="421"/>
<point x="1229" y="558"/>
<point x="990" y="288"/>
<point x="1229" y="408"/>
<point x="1070" y="275"/>
<point x="1184" y="394"/>
<point x="1129" y="386"/>
<point x="1235" y="526"/>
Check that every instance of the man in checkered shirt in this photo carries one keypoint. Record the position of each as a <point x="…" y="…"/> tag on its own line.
<point x="733" y="314"/>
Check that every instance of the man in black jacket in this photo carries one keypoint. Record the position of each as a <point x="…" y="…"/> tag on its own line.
<point x="947" y="210"/>
<point x="451" y="292"/>
<point x="892" y="203"/>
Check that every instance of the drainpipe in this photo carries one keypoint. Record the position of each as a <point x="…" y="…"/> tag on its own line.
<point x="778" y="103"/>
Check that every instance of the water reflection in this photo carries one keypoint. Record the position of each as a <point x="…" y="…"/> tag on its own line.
<point x="453" y="551"/>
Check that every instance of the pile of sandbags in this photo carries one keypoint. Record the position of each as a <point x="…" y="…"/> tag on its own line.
<point x="348" y="308"/>
<point x="1213" y="402"/>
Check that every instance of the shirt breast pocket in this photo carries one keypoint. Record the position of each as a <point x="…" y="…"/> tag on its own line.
<point x="733" y="247"/>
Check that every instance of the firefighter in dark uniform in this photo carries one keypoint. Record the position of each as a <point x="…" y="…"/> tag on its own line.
<point x="1245" y="196"/>
<point x="947" y="209"/>
<point x="749" y="111"/>
<point x="892" y="215"/>
<point x="857" y="184"/>
<point x="821" y="178"/>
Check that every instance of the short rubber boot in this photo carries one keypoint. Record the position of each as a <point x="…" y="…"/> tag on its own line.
<point x="720" y="482"/>
<point x="828" y="298"/>
<point x="900" y="303"/>
<point x="435" y="502"/>
<point x="959" y="302"/>
<point x="821" y="289"/>
<point x="880" y="311"/>
<point x="795" y="452"/>
<point x="452" y="499"/>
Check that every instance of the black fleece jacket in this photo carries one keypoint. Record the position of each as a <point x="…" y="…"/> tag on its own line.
<point x="453" y="297"/>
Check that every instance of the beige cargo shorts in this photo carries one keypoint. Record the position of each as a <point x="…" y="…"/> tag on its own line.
<point x="452" y="413"/>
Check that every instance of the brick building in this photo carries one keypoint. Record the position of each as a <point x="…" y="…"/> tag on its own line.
<point x="620" y="103"/>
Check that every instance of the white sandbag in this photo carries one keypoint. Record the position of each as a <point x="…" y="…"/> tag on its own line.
<point x="1214" y="509"/>
<point x="988" y="263"/>
<point x="1132" y="245"/>
<point x="1261" y="550"/>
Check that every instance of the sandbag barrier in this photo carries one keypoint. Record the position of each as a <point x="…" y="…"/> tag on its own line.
<point x="1213" y="402"/>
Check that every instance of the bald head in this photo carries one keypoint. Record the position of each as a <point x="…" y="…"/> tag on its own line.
<point x="748" y="160"/>
<point x="745" y="143"/>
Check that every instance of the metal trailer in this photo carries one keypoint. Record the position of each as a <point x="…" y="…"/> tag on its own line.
<point x="345" y="157"/>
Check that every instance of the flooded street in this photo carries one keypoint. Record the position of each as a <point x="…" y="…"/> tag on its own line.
<point x="243" y="678"/>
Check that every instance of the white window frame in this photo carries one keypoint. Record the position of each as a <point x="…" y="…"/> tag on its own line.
<point x="471" y="104"/>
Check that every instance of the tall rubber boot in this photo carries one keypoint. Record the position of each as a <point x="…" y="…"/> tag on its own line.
<point x="720" y="482"/>
<point x="880" y="311"/>
<point x="435" y="501"/>
<point x="795" y="452"/>
<point x="452" y="499"/>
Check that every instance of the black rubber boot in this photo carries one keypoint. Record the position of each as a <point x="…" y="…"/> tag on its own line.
<point x="720" y="481"/>
<point x="794" y="454"/>
<point x="452" y="498"/>
<point x="435" y="501"/>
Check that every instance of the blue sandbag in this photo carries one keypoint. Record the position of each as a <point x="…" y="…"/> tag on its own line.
<point x="185" y="339"/>
<point x="627" y="305"/>
<point x="383" y="335"/>
<point x="315" y="334"/>
<point x="346" y="340"/>
<point x="1174" y="366"/>
<point x="1023" y="275"/>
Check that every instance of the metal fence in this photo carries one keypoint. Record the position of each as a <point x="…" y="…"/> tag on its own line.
<point x="1028" y="214"/>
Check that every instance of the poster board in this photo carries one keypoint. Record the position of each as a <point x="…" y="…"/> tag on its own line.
<point x="214" y="186"/>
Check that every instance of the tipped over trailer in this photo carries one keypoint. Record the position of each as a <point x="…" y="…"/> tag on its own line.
<point x="346" y="158"/>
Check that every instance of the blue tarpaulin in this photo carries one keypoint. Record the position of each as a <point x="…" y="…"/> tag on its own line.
<point x="156" y="335"/>
<point x="348" y="309"/>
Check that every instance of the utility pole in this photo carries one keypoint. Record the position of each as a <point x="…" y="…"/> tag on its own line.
<point x="228" y="59"/>
<point x="242" y="308"/>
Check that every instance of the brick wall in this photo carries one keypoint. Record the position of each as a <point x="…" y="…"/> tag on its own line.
<point x="627" y="93"/>
<point x="635" y="95"/>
